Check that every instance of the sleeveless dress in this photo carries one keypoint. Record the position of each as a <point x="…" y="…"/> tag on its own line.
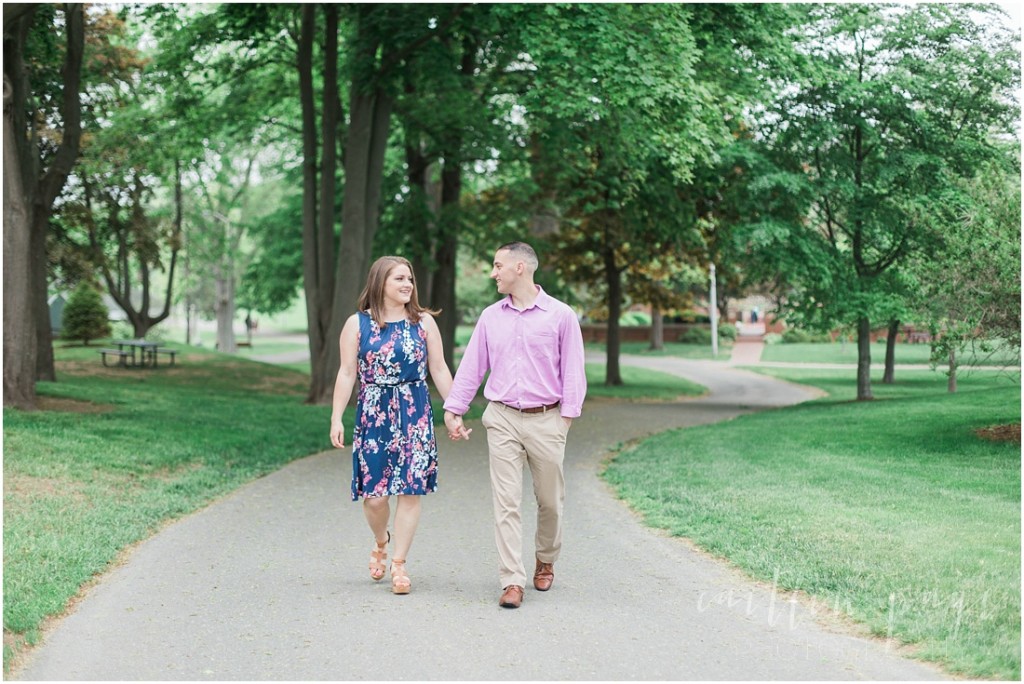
<point x="393" y="445"/>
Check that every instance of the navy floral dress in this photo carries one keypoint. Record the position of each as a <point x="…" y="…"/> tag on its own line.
<point x="393" y="445"/>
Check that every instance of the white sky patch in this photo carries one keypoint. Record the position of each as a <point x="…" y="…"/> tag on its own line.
<point x="1015" y="11"/>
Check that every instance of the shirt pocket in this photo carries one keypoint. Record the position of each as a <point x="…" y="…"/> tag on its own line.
<point x="543" y="344"/>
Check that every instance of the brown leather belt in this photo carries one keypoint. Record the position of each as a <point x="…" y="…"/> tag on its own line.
<point x="534" y="409"/>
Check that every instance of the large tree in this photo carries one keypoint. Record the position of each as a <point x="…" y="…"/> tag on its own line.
<point x="452" y="111"/>
<point x="107" y="219"/>
<point x="381" y="40"/>
<point x="897" y="103"/>
<point x="969" y="290"/>
<point x="42" y="130"/>
<point x="630" y="101"/>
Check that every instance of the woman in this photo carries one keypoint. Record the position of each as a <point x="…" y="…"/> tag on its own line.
<point x="391" y="342"/>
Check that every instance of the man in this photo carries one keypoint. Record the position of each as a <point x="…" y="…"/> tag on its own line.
<point x="533" y="347"/>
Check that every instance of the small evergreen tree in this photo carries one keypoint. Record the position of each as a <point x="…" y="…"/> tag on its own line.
<point x="85" y="316"/>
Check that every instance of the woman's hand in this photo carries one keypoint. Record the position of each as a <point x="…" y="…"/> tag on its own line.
<point x="338" y="435"/>
<point x="456" y="428"/>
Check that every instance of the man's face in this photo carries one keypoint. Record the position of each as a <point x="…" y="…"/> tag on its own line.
<point x="505" y="271"/>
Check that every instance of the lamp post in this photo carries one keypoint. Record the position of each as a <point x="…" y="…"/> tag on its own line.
<point x="713" y="313"/>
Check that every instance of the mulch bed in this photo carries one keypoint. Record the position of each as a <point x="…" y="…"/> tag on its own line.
<point x="1000" y="433"/>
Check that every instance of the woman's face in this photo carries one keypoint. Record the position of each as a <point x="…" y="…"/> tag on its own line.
<point x="398" y="286"/>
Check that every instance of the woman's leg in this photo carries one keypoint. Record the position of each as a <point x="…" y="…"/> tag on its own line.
<point x="377" y="511"/>
<point x="407" y="519"/>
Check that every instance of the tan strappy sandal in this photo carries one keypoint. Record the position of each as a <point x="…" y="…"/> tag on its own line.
<point x="377" y="558"/>
<point x="400" y="583"/>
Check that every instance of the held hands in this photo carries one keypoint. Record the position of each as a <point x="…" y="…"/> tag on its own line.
<point x="338" y="435"/>
<point x="456" y="429"/>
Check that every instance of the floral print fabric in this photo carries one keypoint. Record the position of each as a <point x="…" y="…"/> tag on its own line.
<point x="393" y="446"/>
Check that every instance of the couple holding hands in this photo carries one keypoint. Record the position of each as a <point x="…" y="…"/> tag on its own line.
<point x="533" y="347"/>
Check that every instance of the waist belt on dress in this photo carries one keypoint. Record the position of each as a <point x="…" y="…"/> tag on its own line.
<point x="396" y="384"/>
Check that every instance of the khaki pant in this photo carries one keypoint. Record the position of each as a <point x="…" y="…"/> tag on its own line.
<point x="537" y="440"/>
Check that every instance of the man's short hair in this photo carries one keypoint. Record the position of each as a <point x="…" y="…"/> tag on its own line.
<point x="524" y="252"/>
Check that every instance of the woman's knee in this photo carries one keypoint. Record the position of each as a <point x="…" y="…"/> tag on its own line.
<point x="409" y="502"/>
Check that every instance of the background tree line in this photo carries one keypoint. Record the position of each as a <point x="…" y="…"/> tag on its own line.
<point x="859" y="162"/>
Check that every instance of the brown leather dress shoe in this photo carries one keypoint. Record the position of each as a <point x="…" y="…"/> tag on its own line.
<point x="543" y="576"/>
<point x="512" y="597"/>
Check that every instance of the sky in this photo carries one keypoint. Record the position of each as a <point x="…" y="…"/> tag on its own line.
<point x="1014" y="10"/>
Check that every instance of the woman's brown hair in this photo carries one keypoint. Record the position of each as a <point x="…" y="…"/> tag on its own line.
<point x="371" y="299"/>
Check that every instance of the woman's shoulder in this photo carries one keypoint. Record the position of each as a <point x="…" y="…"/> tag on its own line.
<point x="355" y="321"/>
<point x="427" y="321"/>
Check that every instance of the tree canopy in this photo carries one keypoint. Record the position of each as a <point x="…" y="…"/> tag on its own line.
<point x="235" y="155"/>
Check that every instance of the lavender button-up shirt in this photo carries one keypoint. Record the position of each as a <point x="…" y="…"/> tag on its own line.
<point x="535" y="357"/>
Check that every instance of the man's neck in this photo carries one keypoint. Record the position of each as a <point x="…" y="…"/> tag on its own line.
<point x="524" y="297"/>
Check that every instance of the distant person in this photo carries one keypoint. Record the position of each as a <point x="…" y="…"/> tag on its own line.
<point x="533" y="347"/>
<point x="754" y="315"/>
<point x="391" y="343"/>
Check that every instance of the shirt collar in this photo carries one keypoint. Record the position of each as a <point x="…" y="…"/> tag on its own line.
<point x="543" y="300"/>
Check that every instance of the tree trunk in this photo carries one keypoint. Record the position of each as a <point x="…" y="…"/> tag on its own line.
<point x="318" y="310"/>
<point x="142" y="321"/>
<point x="864" y="359"/>
<point x="225" y="298"/>
<point x="657" y="329"/>
<point x="19" y="320"/>
<point x="40" y="285"/>
<point x="37" y="192"/>
<point x="443" y="286"/>
<point x="422" y="232"/>
<point x="613" y="374"/>
<point x="328" y="156"/>
<point x="890" y="353"/>
<point x="53" y="182"/>
<point x="329" y="320"/>
<point x="119" y="282"/>
<point x="951" y="384"/>
<point x="364" y="173"/>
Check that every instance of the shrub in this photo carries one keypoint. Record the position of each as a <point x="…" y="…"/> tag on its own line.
<point x="727" y="331"/>
<point x="85" y="315"/>
<point x="796" y="335"/>
<point x="635" y="318"/>
<point x="695" y="336"/>
<point x="123" y="330"/>
<point x="772" y="338"/>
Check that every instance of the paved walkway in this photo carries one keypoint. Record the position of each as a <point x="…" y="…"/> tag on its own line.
<point x="270" y="584"/>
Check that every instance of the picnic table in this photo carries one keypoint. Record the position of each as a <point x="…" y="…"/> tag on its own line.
<point x="136" y="353"/>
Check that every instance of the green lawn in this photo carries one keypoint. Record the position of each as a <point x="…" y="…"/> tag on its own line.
<point x="686" y="351"/>
<point x="847" y="353"/>
<point x="269" y="346"/>
<point x="892" y="511"/>
<point x="640" y="384"/>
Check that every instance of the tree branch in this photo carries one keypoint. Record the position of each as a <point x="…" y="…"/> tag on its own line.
<point x="395" y="57"/>
<point x="71" y="110"/>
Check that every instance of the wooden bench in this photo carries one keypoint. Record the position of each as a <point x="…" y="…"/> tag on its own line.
<point x="122" y="356"/>
<point x="170" y="352"/>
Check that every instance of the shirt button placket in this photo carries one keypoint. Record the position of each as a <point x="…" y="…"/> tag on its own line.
<point x="519" y="356"/>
